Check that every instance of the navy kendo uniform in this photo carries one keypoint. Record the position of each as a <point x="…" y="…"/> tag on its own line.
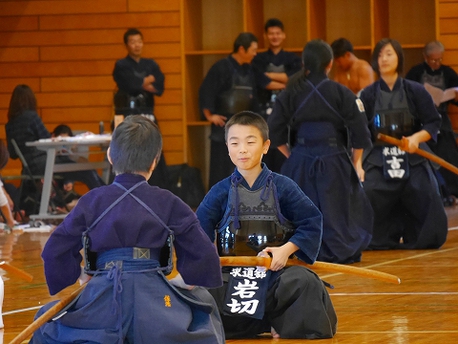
<point x="271" y="212"/>
<point x="322" y="120"/>
<point x="228" y="88"/>
<point x="132" y="99"/>
<point x="282" y="62"/>
<point x="446" y="147"/>
<point x="402" y="187"/>
<point x="126" y="230"/>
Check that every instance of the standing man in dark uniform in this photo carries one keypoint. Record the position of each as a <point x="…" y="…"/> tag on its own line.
<point x="228" y="88"/>
<point x="433" y="72"/>
<point x="139" y="80"/>
<point x="278" y="65"/>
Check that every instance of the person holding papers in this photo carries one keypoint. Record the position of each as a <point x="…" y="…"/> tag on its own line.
<point x="440" y="81"/>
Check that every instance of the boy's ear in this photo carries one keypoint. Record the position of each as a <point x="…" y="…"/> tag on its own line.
<point x="266" y="147"/>
<point x="154" y="164"/>
<point x="108" y="156"/>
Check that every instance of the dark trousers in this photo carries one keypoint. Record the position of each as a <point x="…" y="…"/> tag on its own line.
<point x="408" y="214"/>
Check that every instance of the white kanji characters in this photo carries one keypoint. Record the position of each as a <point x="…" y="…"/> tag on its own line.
<point x="246" y="290"/>
<point x="249" y="272"/>
<point x="248" y="307"/>
<point x="395" y="163"/>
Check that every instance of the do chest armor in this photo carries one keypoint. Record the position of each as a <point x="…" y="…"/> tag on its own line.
<point x="252" y="222"/>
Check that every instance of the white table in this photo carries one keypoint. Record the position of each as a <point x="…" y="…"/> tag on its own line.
<point x="51" y="147"/>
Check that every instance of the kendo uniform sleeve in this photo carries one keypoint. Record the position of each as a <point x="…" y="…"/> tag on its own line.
<point x="212" y="208"/>
<point x="158" y="76"/>
<point x="125" y="78"/>
<point x="197" y="258"/>
<point x="217" y="80"/>
<point x="278" y="121"/>
<point x="62" y="258"/>
<point x="356" y="120"/>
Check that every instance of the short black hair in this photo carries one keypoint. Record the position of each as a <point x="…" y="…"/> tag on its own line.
<point x="273" y="22"/>
<point x="244" y="40"/>
<point x="131" y="32"/>
<point x="62" y="129"/>
<point x="398" y="50"/>
<point x="135" y="144"/>
<point x="341" y="46"/>
<point x="248" y="118"/>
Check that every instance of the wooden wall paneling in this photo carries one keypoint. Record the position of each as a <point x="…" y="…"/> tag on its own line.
<point x="75" y="115"/>
<point x="109" y="21"/>
<point x="170" y="97"/>
<point x="8" y="54"/>
<point x="192" y="25"/>
<point x="77" y="83"/>
<point x="172" y="128"/>
<point x="47" y="7"/>
<point x="379" y="18"/>
<point x="74" y="99"/>
<point x="412" y="57"/>
<point x="448" y="9"/>
<point x="411" y="24"/>
<point x="450" y="41"/>
<point x="349" y="20"/>
<point x="316" y="19"/>
<point x="17" y="23"/>
<point x="253" y="20"/>
<point x="173" y="158"/>
<point x="173" y="81"/>
<point x="222" y="22"/>
<point x="172" y="112"/>
<point x="448" y="25"/>
<point x="61" y="38"/>
<point x="7" y="86"/>
<point x="173" y="143"/>
<point x="55" y="69"/>
<point x="153" y="5"/>
<point x="451" y="58"/>
<point x="293" y="14"/>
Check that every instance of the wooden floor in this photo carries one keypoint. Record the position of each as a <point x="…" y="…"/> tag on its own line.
<point x="422" y="309"/>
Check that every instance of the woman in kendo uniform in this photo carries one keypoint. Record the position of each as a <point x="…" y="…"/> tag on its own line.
<point x="321" y="127"/>
<point x="402" y="188"/>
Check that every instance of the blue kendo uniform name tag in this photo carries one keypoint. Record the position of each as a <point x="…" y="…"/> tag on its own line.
<point x="246" y="292"/>
<point x="395" y="163"/>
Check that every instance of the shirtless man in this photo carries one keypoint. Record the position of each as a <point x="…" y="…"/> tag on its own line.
<point x="350" y="71"/>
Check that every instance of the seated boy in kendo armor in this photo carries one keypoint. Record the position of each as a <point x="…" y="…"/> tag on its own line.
<point x="126" y="230"/>
<point x="258" y="212"/>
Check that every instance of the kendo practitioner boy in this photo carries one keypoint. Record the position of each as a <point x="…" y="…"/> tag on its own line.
<point x="230" y="87"/>
<point x="433" y="72"/>
<point x="256" y="211"/>
<point x="139" y="80"/>
<point x="402" y="188"/>
<point x="278" y="65"/>
<point x="322" y="129"/>
<point x="127" y="230"/>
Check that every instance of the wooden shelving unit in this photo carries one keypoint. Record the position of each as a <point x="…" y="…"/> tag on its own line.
<point x="210" y="27"/>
